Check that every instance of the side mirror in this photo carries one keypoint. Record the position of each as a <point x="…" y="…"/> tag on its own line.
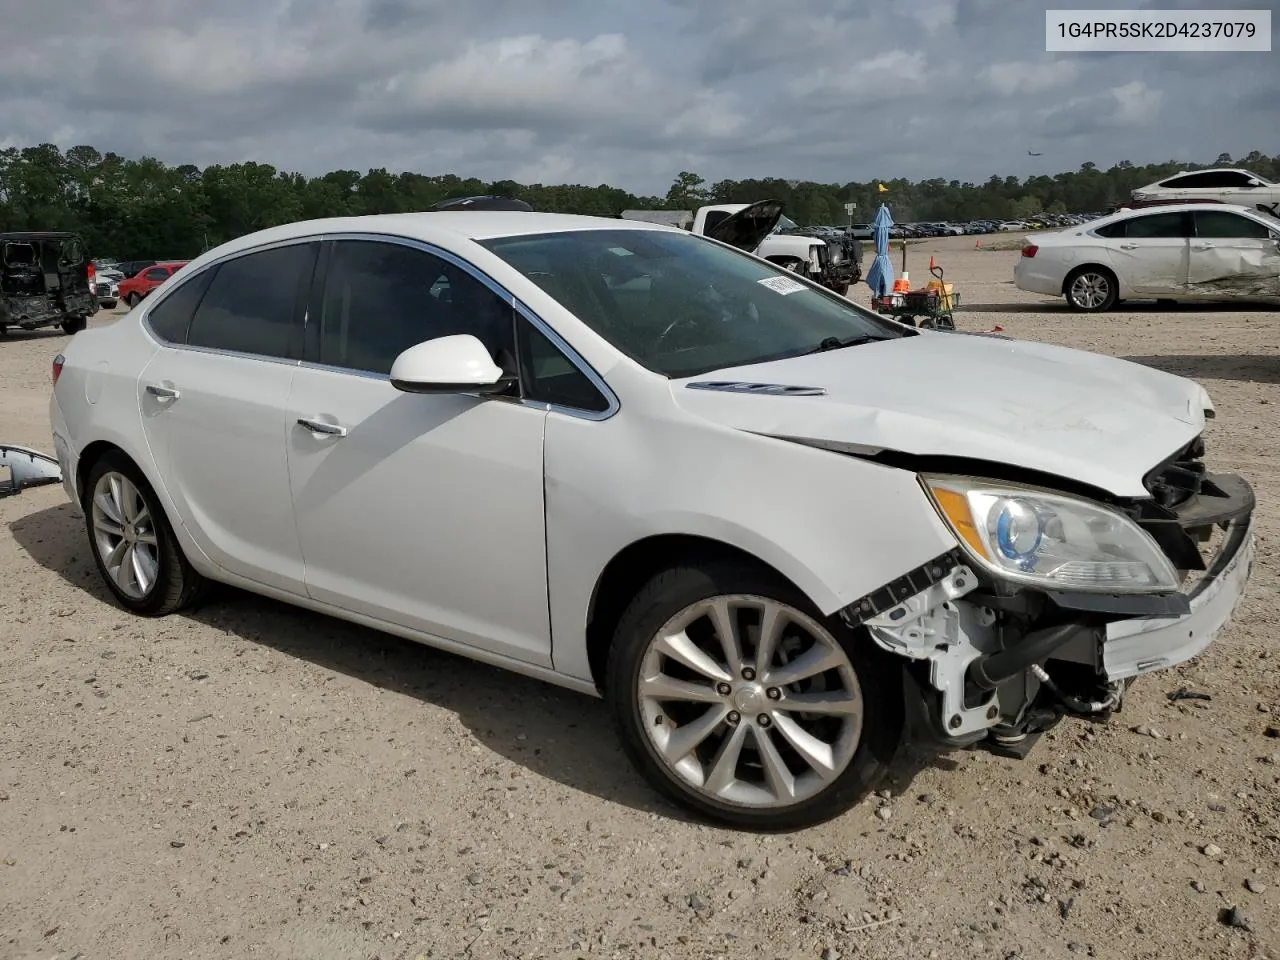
<point x="453" y="364"/>
<point x="1253" y="182"/>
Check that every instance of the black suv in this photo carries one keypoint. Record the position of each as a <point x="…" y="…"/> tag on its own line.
<point x="44" y="281"/>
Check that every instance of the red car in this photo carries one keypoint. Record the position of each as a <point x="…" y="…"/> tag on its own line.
<point x="134" y="288"/>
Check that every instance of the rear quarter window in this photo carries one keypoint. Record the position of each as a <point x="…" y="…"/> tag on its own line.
<point x="170" y="318"/>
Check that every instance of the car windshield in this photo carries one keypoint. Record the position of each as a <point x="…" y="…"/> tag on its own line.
<point x="682" y="305"/>
<point x="1271" y="221"/>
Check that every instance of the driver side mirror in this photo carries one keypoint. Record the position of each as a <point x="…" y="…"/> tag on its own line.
<point x="453" y="364"/>
<point x="1253" y="182"/>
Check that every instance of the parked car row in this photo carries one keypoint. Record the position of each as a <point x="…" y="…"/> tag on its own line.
<point x="1172" y="252"/>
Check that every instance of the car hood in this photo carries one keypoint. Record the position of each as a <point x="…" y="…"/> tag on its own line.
<point x="1088" y="418"/>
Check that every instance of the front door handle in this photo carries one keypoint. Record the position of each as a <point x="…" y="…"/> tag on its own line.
<point x="1128" y="246"/>
<point x="320" y="426"/>
<point x="161" y="392"/>
<point x="1204" y="246"/>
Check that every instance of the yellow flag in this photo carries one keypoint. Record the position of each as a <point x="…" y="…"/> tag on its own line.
<point x="883" y="188"/>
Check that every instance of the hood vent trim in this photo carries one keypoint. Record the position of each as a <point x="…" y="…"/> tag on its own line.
<point x="769" y="389"/>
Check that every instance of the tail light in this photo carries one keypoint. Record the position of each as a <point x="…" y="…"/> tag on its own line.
<point x="56" y="372"/>
<point x="93" y="271"/>
<point x="1030" y="250"/>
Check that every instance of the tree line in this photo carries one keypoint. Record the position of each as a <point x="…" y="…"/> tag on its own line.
<point x="136" y="208"/>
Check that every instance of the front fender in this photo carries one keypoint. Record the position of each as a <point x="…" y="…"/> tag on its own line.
<point x="836" y="526"/>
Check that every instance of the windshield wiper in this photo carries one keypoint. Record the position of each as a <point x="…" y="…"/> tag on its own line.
<point x="837" y="343"/>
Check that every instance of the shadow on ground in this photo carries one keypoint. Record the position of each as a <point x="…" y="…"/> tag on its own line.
<point x="555" y="733"/>
<point x="1254" y="368"/>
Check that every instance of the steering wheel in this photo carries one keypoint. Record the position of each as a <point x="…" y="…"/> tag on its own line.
<point x="683" y="323"/>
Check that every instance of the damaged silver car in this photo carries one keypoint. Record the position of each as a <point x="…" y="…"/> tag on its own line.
<point x="1194" y="251"/>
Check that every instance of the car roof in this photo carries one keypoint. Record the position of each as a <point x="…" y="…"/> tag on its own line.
<point x="434" y="225"/>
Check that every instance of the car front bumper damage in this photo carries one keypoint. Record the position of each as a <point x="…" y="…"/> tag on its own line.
<point x="989" y="661"/>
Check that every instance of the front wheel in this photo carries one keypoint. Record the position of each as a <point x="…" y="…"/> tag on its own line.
<point x="132" y="300"/>
<point x="1091" y="289"/>
<point x="738" y="700"/>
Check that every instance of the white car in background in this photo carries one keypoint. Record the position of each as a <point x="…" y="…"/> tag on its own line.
<point x="1206" y="251"/>
<point x="774" y="529"/>
<point x="1221" y="184"/>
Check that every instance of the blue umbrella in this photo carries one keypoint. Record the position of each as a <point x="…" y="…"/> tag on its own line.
<point x="880" y="276"/>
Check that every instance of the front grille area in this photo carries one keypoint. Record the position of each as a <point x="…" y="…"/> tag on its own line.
<point x="1178" y="480"/>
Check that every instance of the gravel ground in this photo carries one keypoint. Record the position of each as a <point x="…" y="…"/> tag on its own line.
<point x="251" y="780"/>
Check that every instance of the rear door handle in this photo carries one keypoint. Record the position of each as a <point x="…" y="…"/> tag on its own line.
<point x="1128" y="246"/>
<point x="320" y="426"/>
<point x="161" y="392"/>
<point x="1204" y="246"/>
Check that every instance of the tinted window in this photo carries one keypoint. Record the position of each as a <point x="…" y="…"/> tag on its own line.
<point x="382" y="298"/>
<point x="548" y="375"/>
<point x="1111" y="229"/>
<point x="1223" y="224"/>
<point x="1156" y="225"/>
<point x="170" y="317"/>
<point x="252" y="301"/>
<point x="1203" y="181"/>
<point x="156" y="273"/>
<point x="682" y="305"/>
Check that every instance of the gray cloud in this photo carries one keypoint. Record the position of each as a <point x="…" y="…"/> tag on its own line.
<point x="601" y="91"/>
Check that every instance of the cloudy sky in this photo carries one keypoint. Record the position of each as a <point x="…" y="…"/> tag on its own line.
<point x="627" y="93"/>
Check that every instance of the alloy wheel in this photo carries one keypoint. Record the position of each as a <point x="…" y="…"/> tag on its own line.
<point x="750" y="702"/>
<point x="124" y="534"/>
<point x="1090" y="290"/>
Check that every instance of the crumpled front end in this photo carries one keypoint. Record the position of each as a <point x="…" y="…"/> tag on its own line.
<point x="997" y="660"/>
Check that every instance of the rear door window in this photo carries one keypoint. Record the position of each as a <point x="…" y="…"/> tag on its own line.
<point x="254" y="303"/>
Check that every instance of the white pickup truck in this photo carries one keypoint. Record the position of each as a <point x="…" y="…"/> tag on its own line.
<point x="755" y="227"/>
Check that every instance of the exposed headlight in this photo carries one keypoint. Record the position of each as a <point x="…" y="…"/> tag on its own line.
<point x="1051" y="540"/>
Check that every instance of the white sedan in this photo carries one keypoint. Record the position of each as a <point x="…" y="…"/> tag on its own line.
<point x="1205" y="251"/>
<point x="774" y="529"/>
<point x="1221" y="184"/>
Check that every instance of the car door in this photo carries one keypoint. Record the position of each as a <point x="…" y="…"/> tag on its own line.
<point x="1149" y="252"/>
<point x="1233" y="256"/>
<point x="214" y="400"/>
<point x="423" y="511"/>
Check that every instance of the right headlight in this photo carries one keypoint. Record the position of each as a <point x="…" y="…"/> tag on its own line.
<point x="1049" y="539"/>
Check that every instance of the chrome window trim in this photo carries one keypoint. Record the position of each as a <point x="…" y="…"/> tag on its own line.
<point x="523" y="310"/>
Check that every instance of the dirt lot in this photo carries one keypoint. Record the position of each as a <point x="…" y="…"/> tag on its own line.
<point x="250" y="780"/>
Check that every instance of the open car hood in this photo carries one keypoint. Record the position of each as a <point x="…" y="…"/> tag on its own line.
<point x="1091" y="419"/>
<point x="747" y="228"/>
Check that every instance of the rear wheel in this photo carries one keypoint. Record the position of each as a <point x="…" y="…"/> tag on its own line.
<point x="133" y="544"/>
<point x="738" y="700"/>
<point x="74" y="324"/>
<point x="1090" y="289"/>
<point x="132" y="299"/>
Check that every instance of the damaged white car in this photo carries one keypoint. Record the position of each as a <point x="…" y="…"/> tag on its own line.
<point x="1205" y="251"/>
<point x="779" y="533"/>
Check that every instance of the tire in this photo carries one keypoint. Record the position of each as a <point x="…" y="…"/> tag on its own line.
<point x="173" y="582"/>
<point x="132" y="299"/>
<point x="74" y="325"/>
<point x="863" y="736"/>
<point x="1090" y="289"/>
